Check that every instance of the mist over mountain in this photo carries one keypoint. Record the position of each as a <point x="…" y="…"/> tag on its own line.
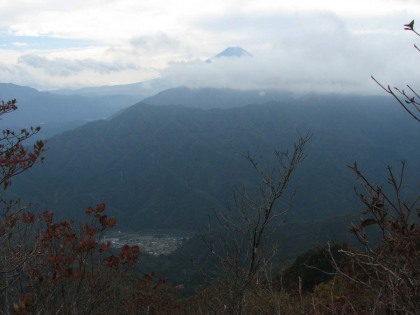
<point x="147" y="88"/>
<point x="170" y="166"/>
<point x="207" y="98"/>
<point x="139" y="90"/>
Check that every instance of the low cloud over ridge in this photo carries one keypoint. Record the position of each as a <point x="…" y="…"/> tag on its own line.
<point x="66" y="67"/>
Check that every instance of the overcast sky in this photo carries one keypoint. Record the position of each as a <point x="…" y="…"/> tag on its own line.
<point x="300" y="45"/>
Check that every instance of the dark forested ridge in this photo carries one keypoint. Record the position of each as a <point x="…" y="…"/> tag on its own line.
<point x="170" y="166"/>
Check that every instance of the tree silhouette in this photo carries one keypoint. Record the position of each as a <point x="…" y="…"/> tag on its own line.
<point x="410" y="101"/>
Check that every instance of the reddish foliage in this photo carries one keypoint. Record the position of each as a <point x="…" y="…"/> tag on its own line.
<point x="100" y="208"/>
<point x="129" y="254"/>
<point x="89" y="230"/>
<point x="11" y="220"/>
<point x="111" y="261"/>
<point x="48" y="217"/>
<point x="111" y="222"/>
<point x="107" y="222"/>
<point x="89" y="210"/>
<point x="104" y="247"/>
<point x="61" y="261"/>
<point x="28" y="218"/>
<point x="15" y="158"/>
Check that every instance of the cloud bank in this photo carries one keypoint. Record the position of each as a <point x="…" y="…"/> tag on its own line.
<point x="300" y="45"/>
<point x="317" y="53"/>
<point x="65" y="67"/>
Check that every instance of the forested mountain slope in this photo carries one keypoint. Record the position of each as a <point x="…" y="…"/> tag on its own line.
<point x="171" y="166"/>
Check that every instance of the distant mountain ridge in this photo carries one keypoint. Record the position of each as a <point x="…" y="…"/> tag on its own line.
<point x="13" y="91"/>
<point x="56" y="113"/>
<point x="140" y="90"/>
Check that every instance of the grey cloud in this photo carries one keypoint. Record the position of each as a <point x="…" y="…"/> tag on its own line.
<point x="240" y="22"/>
<point x="269" y="25"/>
<point x="157" y="43"/>
<point x="65" y="67"/>
<point x="7" y="69"/>
<point x="262" y="72"/>
<point x="19" y="75"/>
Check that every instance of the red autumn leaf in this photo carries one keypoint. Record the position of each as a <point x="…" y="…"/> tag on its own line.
<point x="48" y="216"/>
<point x="105" y="247"/>
<point x="11" y="220"/>
<point x="87" y="244"/>
<point x="129" y="254"/>
<point x="125" y="252"/>
<point x="111" y="261"/>
<point x="89" y="210"/>
<point x="89" y="230"/>
<point x="112" y="222"/>
<point x="162" y="280"/>
<point x="107" y="222"/>
<point x="409" y="26"/>
<point x="28" y="218"/>
<point x="100" y="207"/>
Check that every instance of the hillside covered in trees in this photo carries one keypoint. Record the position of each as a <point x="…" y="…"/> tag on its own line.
<point x="171" y="166"/>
